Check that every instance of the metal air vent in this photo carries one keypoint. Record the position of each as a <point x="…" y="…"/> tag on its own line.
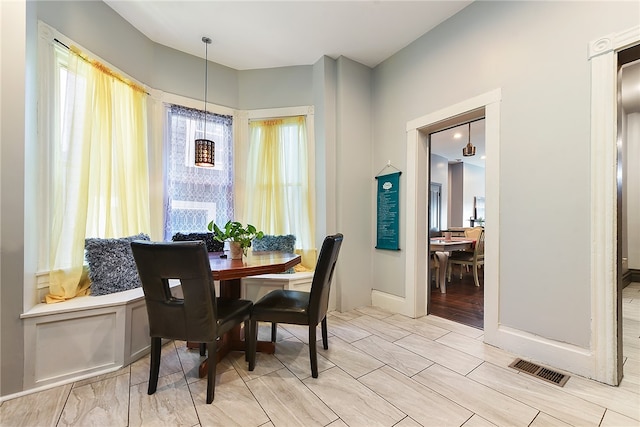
<point x="540" y="372"/>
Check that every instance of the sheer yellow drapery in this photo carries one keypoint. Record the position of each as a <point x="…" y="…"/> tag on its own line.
<point x="278" y="197"/>
<point x="99" y="169"/>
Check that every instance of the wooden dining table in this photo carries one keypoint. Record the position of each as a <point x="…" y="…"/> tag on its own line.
<point x="441" y="247"/>
<point x="229" y="272"/>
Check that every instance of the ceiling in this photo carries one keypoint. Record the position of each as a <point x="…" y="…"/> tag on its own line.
<point x="266" y="34"/>
<point x="445" y="143"/>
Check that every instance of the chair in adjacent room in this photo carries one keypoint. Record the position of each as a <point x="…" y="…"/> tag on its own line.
<point x="472" y="258"/>
<point x="197" y="317"/>
<point x="301" y="308"/>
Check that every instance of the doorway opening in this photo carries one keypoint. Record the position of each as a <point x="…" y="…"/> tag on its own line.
<point x="457" y="212"/>
<point x="416" y="298"/>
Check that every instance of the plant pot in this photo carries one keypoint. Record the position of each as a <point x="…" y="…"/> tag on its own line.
<point x="236" y="250"/>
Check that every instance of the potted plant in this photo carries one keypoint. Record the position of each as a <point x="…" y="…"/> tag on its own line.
<point x="238" y="236"/>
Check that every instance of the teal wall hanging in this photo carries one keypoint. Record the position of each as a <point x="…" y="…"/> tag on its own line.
<point x="388" y="204"/>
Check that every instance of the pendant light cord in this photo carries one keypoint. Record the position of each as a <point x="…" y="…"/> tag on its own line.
<point x="206" y="41"/>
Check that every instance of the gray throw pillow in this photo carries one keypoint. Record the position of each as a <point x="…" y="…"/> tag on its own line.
<point x="285" y="243"/>
<point x="111" y="264"/>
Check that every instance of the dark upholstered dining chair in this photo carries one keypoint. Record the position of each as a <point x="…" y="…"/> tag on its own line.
<point x="301" y="308"/>
<point x="197" y="317"/>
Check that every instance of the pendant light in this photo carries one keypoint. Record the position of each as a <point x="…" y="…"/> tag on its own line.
<point x="469" y="150"/>
<point x="205" y="148"/>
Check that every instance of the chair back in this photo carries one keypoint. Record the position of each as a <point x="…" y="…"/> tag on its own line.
<point x="321" y="284"/>
<point x="477" y="234"/>
<point x="478" y="250"/>
<point x="473" y="233"/>
<point x="191" y="318"/>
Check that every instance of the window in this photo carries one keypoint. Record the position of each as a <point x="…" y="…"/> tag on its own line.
<point x="95" y="175"/>
<point x="194" y="195"/>
<point x="279" y="196"/>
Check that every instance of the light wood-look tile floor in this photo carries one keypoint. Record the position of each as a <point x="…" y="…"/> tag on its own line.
<point x="381" y="369"/>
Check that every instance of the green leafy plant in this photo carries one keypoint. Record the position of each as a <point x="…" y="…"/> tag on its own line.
<point x="234" y="231"/>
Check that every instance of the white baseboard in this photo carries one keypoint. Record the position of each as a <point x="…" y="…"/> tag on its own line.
<point x="566" y="357"/>
<point x="392" y="303"/>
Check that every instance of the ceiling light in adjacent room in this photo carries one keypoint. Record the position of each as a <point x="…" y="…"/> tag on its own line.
<point x="469" y="150"/>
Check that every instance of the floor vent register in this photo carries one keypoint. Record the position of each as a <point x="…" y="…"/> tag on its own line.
<point x="540" y="372"/>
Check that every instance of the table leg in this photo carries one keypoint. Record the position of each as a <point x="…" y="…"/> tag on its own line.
<point x="442" y="258"/>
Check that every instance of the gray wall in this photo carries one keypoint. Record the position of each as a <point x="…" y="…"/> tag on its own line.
<point x="536" y="52"/>
<point x="324" y="96"/>
<point x="354" y="183"/>
<point x="275" y="87"/>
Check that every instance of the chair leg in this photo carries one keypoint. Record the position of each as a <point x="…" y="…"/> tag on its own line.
<point x="154" y="366"/>
<point x="274" y="331"/>
<point x="247" y="339"/>
<point x="253" y="330"/>
<point x="325" y="340"/>
<point x="203" y="349"/>
<point x="211" y="375"/>
<point x="475" y="275"/>
<point x="313" y="355"/>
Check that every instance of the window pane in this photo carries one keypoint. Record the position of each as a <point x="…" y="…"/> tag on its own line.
<point x="196" y="196"/>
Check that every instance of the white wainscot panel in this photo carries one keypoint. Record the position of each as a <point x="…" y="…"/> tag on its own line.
<point x="84" y="336"/>
<point x="74" y="345"/>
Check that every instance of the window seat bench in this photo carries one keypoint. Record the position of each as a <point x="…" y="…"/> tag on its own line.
<point x="84" y="336"/>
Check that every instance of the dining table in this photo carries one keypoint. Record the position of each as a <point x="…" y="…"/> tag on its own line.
<point x="441" y="247"/>
<point x="230" y="272"/>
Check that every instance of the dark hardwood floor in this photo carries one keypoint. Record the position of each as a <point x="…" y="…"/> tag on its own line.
<point x="463" y="302"/>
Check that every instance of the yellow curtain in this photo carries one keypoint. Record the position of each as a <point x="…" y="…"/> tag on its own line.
<point x="278" y="198"/>
<point x="99" y="169"/>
